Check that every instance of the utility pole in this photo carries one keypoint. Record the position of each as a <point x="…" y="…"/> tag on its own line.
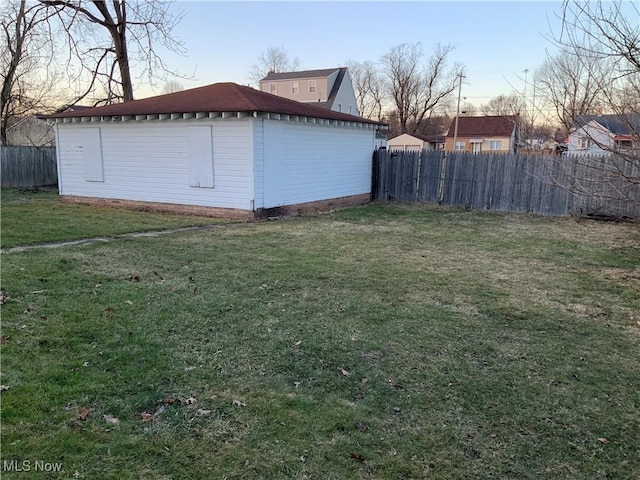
<point x="455" y="130"/>
<point x="523" y="120"/>
<point x="443" y="169"/>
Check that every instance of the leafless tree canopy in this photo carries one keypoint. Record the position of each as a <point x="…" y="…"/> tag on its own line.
<point x="570" y="87"/>
<point x="274" y="59"/>
<point x="419" y="87"/>
<point x="25" y="62"/>
<point x="106" y="39"/>
<point x="172" y="86"/>
<point x="504" y="105"/>
<point x="368" y="85"/>
<point x="601" y="42"/>
<point x="468" y="109"/>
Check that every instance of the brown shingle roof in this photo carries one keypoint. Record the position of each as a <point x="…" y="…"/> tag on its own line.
<point x="219" y="97"/>
<point x="499" y="126"/>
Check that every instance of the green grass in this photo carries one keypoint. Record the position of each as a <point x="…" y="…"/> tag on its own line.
<point x="477" y="345"/>
<point x="32" y="217"/>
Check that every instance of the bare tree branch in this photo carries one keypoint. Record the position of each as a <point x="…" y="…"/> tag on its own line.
<point x="127" y="34"/>
<point x="418" y="90"/>
<point x="274" y="59"/>
<point x="368" y="85"/>
<point x="26" y="84"/>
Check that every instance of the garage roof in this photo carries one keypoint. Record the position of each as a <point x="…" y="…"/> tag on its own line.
<point x="212" y="100"/>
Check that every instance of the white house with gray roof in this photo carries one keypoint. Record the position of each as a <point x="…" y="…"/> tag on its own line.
<point x="604" y="134"/>
<point x="330" y="88"/>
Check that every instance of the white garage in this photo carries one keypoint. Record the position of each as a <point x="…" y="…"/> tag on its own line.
<point x="223" y="149"/>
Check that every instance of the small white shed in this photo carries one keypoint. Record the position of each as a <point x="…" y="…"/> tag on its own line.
<point x="223" y="149"/>
<point x="415" y="142"/>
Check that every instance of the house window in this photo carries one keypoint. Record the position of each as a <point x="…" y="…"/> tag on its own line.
<point x="340" y="107"/>
<point x="295" y="88"/>
<point x="585" y="143"/>
<point x="312" y="86"/>
<point x="495" y="145"/>
<point x="623" y="144"/>
<point x="459" y="145"/>
<point x="273" y="89"/>
<point x="350" y="109"/>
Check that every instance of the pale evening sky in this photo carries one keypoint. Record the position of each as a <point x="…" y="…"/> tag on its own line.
<point x="496" y="41"/>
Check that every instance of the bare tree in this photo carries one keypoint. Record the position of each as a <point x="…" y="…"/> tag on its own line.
<point x="172" y="86"/>
<point x="503" y="105"/>
<point x="369" y="88"/>
<point x="468" y="109"/>
<point x="274" y="59"/>
<point x="26" y="84"/>
<point x="603" y="40"/>
<point x="419" y="89"/>
<point x="109" y="37"/>
<point x="572" y="88"/>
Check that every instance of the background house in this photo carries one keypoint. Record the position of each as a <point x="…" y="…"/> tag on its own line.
<point x="484" y="134"/>
<point x="330" y="88"/>
<point x="223" y="149"/>
<point x="604" y="134"/>
<point x="416" y="142"/>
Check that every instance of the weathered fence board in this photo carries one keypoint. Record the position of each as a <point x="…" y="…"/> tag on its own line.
<point x="545" y="184"/>
<point x="28" y="167"/>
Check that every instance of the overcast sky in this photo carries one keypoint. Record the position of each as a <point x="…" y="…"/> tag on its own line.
<point x="496" y="41"/>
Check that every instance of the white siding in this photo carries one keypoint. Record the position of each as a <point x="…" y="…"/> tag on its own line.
<point x="595" y="134"/>
<point x="346" y="97"/>
<point x="321" y="162"/>
<point x="149" y="161"/>
<point x="258" y="163"/>
<point x="273" y="165"/>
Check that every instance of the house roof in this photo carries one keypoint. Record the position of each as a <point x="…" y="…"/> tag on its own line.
<point x="302" y="74"/>
<point x="424" y="138"/>
<point x="498" y="125"/>
<point x="219" y="97"/>
<point x="628" y="124"/>
<point x="335" y="89"/>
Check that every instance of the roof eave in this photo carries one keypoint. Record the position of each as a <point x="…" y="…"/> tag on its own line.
<point x="363" y="123"/>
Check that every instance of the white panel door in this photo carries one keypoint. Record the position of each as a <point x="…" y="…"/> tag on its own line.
<point x="200" y="156"/>
<point x="92" y="155"/>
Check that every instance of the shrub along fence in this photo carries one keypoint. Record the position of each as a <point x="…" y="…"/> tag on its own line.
<point x="28" y="167"/>
<point x="555" y="185"/>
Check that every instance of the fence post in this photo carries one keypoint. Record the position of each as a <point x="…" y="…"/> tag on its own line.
<point x="375" y="174"/>
<point x="443" y="174"/>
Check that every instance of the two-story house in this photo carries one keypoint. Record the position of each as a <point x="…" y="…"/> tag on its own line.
<point x="494" y="134"/>
<point x="330" y="88"/>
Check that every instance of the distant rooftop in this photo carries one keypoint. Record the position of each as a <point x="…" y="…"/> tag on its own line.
<point x="300" y="74"/>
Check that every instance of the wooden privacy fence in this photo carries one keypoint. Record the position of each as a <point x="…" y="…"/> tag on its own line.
<point x="28" y="167"/>
<point x="542" y="184"/>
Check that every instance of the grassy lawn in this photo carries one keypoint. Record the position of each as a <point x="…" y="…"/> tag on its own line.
<point x="382" y="342"/>
<point x="35" y="217"/>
